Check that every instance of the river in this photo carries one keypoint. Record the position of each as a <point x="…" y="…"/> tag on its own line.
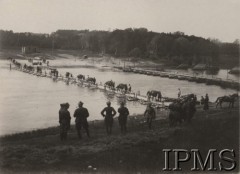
<point x="28" y="102"/>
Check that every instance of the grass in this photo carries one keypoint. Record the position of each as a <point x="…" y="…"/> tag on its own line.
<point x="140" y="150"/>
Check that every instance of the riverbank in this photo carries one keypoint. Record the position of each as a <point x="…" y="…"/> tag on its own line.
<point x="140" y="150"/>
<point x="225" y="62"/>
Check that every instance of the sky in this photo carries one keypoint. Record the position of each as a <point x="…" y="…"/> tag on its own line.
<point x="218" y="19"/>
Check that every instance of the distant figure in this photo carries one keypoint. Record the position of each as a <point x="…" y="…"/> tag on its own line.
<point x="179" y="93"/>
<point x="159" y="96"/>
<point x="195" y="99"/>
<point x="67" y="74"/>
<point x="150" y="114"/>
<point x="123" y="114"/>
<point x="202" y="100"/>
<point x="64" y="120"/>
<point x="81" y="115"/>
<point x="206" y="107"/>
<point x="108" y="113"/>
<point x="129" y="88"/>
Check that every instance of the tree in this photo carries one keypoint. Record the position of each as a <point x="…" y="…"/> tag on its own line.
<point x="136" y="52"/>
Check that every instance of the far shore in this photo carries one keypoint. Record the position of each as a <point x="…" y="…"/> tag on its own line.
<point x="15" y="53"/>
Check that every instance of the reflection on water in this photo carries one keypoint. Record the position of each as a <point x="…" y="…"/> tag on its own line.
<point x="30" y="102"/>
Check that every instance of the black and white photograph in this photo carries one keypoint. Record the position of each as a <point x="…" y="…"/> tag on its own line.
<point x="119" y="86"/>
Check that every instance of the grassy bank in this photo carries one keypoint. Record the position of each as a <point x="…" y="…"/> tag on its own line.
<point x="140" y="150"/>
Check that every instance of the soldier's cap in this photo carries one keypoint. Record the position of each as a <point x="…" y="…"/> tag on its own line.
<point x="108" y="103"/>
<point x="122" y="103"/>
<point x="62" y="104"/>
<point x="80" y="103"/>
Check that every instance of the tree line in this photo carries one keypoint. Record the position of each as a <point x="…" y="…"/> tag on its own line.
<point x="137" y="43"/>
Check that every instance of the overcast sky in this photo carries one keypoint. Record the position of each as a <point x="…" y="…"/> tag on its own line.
<point x="207" y="18"/>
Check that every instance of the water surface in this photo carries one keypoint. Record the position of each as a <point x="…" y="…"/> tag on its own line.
<point x="29" y="102"/>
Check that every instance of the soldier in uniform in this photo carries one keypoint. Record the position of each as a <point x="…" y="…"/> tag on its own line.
<point x="64" y="120"/>
<point x="108" y="113"/>
<point x="129" y="88"/>
<point x="150" y="114"/>
<point x="179" y="93"/>
<point x="81" y="115"/>
<point x="123" y="114"/>
<point x="206" y="107"/>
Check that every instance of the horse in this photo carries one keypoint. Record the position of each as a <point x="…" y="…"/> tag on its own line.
<point x="155" y="94"/>
<point x="91" y="80"/>
<point x="81" y="77"/>
<point x="189" y="110"/>
<point x="67" y="74"/>
<point x="230" y="99"/>
<point x="39" y="69"/>
<point x="17" y="64"/>
<point x="187" y="97"/>
<point x="30" y="68"/>
<point x="110" y="84"/>
<point x="122" y="87"/>
<point x="181" y="111"/>
<point x="175" y="114"/>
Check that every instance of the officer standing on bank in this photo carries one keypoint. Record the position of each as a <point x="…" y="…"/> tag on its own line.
<point x="108" y="113"/>
<point x="64" y="121"/>
<point x="81" y="115"/>
<point x="123" y="114"/>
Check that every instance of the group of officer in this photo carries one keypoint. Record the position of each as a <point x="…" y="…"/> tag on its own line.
<point x="81" y="114"/>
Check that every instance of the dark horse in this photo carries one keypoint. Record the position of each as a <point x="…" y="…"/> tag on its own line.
<point x="122" y="87"/>
<point x="110" y="84"/>
<point x="230" y="99"/>
<point x="155" y="94"/>
<point x="29" y="68"/>
<point x="80" y="77"/>
<point x="91" y="80"/>
<point x="181" y="111"/>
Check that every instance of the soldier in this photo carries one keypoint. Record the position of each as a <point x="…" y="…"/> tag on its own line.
<point x="150" y="114"/>
<point x="206" y="103"/>
<point x="202" y="100"/>
<point x="179" y="93"/>
<point x="108" y="113"/>
<point x="123" y="114"/>
<point x="64" y="120"/>
<point x="81" y="115"/>
<point x="129" y="88"/>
